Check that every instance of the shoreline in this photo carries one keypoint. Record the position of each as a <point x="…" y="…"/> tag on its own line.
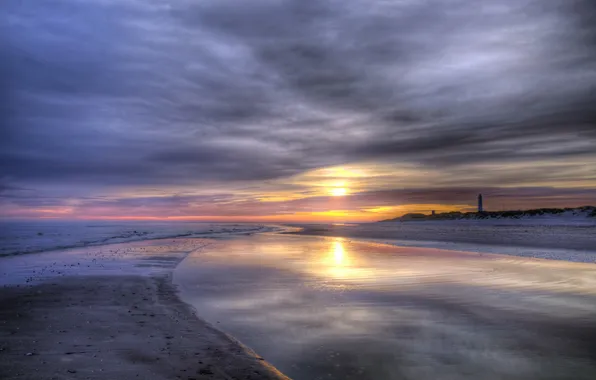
<point x="567" y="243"/>
<point x="123" y="317"/>
<point x="97" y="244"/>
<point x="122" y="326"/>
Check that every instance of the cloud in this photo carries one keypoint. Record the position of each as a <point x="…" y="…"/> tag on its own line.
<point x="432" y="77"/>
<point x="99" y="95"/>
<point x="363" y="206"/>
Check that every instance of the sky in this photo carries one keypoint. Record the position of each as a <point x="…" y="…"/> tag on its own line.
<point x="294" y="110"/>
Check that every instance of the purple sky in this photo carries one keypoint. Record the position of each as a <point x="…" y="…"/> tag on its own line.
<point x="234" y="108"/>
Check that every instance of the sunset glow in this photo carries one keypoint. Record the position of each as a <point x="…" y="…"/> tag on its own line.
<point x="352" y="189"/>
<point x="337" y="112"/>
<point x="339" y="191"/>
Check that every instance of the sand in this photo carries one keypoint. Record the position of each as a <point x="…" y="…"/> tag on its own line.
<point x="115" y="326"/>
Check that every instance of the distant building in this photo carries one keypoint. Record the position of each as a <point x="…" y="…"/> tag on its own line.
<point x="480" y="206"/>
<point x="433" y="212"/>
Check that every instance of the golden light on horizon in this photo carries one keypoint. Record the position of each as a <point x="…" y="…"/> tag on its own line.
<point x="339" y="191"/>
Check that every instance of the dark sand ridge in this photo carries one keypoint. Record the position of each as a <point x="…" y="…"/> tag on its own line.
<point x="115" y="326"/>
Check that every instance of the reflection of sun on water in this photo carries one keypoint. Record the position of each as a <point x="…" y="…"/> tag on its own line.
<point x="338" y="252"/>
<point x="337" y="262"/>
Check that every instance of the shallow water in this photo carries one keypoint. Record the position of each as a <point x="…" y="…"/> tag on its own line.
<point x="330" y="308"/>
<point x="142" y="258"/>
<point x="18" y="237"/>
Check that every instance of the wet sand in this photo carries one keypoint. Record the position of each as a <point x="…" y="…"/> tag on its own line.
<point x="79" y="315"/>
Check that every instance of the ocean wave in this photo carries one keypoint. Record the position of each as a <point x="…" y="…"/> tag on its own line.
<point x="26" y="238"/>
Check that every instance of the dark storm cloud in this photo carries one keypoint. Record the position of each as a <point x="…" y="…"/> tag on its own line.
<point x="147" y="92"/>
<point x="438" y="77"/>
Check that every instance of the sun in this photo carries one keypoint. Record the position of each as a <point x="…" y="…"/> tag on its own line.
<point x="338" y="191"/>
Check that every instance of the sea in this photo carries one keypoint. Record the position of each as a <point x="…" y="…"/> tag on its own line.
<point x="21" y="237"/>
<point x="332" y="308"/>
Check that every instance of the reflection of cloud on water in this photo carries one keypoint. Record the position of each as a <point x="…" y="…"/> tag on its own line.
<point x="418" y="313"/>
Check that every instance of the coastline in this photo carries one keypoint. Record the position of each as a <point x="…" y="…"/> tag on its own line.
<point x="553" y="242"/>
<point x="48" y="236"/>
<point x="112" y="311"/>
<point x="118" y="324"/>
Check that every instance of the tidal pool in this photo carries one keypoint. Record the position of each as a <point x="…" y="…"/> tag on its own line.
<point x="333" y="308"/>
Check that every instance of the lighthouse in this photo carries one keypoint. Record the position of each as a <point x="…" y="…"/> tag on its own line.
<point x="480" y="207"/>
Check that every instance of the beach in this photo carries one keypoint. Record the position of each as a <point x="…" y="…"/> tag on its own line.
<point x="293" y="189"/>
<point x="272" y="305"/>
<point x="111" y="312"/>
